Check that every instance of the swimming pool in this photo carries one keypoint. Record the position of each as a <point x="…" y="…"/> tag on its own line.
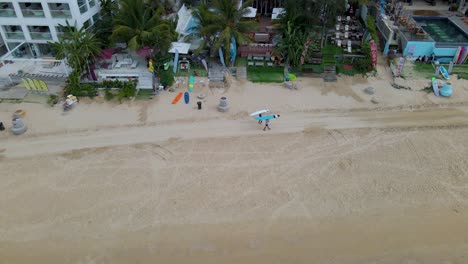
<point x="441" y="29"/>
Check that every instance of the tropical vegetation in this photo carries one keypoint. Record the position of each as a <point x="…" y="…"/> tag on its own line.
<point x="105" y="24"/>
<point x="140" y="26"/>
<point x="222" y="20"/>
<point x="79" y="47"/>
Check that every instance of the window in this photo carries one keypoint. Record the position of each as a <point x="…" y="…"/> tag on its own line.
<point x="7" y="10"/>
<point x="96" y="17"/>
<point x="82" y="5"/>
<point x="60" y="10"/>
<point x="40" y="32"/>
<point x="87" y="23"/>
<point x="31" y="9"/>
<point x="13" y="32"/>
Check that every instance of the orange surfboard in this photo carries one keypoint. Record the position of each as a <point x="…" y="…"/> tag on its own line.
<point x="177" y="98"/>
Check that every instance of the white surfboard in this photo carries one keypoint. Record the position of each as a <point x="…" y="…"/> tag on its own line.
<point x="260" y="112"/>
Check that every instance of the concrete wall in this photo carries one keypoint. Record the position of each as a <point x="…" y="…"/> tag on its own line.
<point x="420" y="48"/>
<point x="446" y="52"/>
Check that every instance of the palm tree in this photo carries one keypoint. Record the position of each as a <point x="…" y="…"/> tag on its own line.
<point x="203" y="28"/>
<point x="166" y="5"/>
<point x="78" y="46"/>
<point x="139" y="25"/>
<point x="228" y="22"/>
<point x="291" y="44"/>
<point x="103" y="26"/>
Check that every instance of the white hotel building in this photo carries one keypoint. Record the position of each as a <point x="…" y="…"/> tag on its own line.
<point x="35" y="22"/>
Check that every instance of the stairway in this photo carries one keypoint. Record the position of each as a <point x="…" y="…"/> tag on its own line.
<point x="329" y="73"/>
<point x="145" y="80"/>
<point x="241" y="73"/>
<point x="329" y="67"/>
<point x="216" y="73"/>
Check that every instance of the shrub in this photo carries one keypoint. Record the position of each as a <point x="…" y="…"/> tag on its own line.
<point x="166" y="78"/>
<point x="108" y="95"/>
<point x="372" y="28"/>
<point x="53" y="99"/>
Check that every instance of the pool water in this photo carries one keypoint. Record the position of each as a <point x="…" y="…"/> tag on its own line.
<point x="442" y="30"/>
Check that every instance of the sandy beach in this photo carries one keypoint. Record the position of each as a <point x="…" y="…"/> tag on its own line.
<point x="338" y="179"/>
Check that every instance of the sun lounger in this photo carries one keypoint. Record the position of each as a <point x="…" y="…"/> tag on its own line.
<point x="134" y="64"/>
<point x="259" y="63"/>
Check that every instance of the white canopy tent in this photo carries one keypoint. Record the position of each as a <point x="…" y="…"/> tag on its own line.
<point x="276" y="12"/>
<point x="181" y="47"/>
<point x="252" y="12"/>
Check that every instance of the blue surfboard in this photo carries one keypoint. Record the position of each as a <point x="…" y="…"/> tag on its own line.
<point x="444" y="72"/>
<point x="266" y="117"/>
<point x="186" y="97"/>
<point x="435" y="86"/>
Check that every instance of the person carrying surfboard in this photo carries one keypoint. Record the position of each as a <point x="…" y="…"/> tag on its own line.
<point x="260" y="121"/>
<point x="267" y="122"/>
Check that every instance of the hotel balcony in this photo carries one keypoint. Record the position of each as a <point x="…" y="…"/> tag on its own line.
<point x="14" y="35"/>
<point x="7" y="10"/>
<point x="40" y="33"/>
<point x="32" y="10"/>
<point x="13" y="32"/>
<point x="60" y="10"/>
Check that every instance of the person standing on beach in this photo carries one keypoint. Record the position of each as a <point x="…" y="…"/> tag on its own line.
<point x="267" y="125"/>
<point x="260" y="121"/>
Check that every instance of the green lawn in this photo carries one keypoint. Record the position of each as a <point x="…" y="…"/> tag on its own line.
<point x="144" y="94"/>
<point x="265" y="74"/>
<point x="241" y="62"/>
<point x="194" y="67"/>
<point x="428" y="70"/>
<point x="316" y="68"/>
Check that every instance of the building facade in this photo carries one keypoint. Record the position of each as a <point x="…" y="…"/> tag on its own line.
<point x="36" y="22"/>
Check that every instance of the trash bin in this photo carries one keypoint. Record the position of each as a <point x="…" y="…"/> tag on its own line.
<point x="199" y="105"/>
<point x="2" y="127"/>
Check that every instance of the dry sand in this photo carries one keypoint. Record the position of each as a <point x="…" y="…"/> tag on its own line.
<point x="338" y="179"/>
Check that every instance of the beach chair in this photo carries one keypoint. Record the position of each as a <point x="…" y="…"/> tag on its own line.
<point x="44" y="86"/>
<point x="31" y="84"/>
<point x="38" y="85"/>
<point x="134" y="64"/>
<point x="26" y="84"/>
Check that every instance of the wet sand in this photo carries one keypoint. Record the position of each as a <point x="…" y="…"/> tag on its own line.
<point x="357" y="195"/>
